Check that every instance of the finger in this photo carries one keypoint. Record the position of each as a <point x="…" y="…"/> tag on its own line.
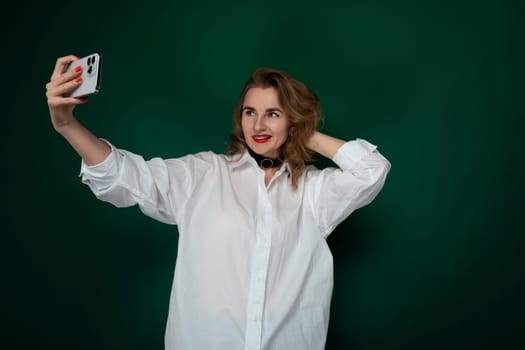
<point x="56" y="101"/>
<point x="62" y="89"/>
<point x="66" y="77"/>
<point x="61" y="65"/>
<point x="82" y="100"/>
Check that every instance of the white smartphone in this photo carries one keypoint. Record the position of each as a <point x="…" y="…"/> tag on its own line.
<point x="91" y="68"/>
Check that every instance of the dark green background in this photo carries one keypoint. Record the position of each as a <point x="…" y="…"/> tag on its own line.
<point x="435" y="262"/>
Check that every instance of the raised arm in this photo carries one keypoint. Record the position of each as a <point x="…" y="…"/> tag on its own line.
<point x="334" y="193"/>
<point x="92" y="149"/>
<point x="325" y="145"/>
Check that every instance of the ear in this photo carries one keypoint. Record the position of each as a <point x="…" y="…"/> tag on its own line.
<point x="291" y="130"/>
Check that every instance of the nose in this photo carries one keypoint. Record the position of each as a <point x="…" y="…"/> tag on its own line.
<point x="258" y="124"/>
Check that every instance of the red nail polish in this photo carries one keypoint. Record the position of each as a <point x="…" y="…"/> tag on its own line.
<point x="78" y="80"/>
<point x="78" y="69"/>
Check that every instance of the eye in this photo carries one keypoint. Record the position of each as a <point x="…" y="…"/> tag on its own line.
<point x="249" y="113"/>
<point x="273" y="115"/>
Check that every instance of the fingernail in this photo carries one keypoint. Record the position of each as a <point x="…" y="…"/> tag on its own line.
<point x="78" y="69"/>
<point x="78" y="80"/>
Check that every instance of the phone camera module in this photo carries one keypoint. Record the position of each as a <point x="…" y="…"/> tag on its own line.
<point x="91" y="66"/>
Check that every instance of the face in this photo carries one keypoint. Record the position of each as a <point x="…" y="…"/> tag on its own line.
<point x="264" y="124"/>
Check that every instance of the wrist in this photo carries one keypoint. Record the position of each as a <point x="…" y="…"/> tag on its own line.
<point x="324" y="144"/>
<point x="63" y="125"/>
<point x="313" y="142"/>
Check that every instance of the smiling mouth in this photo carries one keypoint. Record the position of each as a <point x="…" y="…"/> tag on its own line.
<point x="261" y="138"/>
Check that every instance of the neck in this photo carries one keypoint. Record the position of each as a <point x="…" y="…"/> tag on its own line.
<point x="264" y="162"/>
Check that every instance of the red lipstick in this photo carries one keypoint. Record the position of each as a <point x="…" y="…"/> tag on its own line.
<point x="261" y="138"/>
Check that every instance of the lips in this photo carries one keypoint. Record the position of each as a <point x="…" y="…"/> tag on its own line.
<point x="261" y="138"/>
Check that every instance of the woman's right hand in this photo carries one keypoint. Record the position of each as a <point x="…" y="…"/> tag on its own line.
<point x="61" y="83"/>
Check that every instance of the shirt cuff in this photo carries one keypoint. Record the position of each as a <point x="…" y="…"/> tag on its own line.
<point x="103" y="174"/>
<point x="352" y="152"/>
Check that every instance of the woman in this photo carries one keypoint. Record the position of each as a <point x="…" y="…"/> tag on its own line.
<point x="253" y="268"/>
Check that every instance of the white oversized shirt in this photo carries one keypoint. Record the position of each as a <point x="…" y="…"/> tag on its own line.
<point x="253" y="269"/>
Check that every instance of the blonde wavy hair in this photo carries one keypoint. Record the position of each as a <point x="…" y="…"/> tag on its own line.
<point x="300" y="105"/>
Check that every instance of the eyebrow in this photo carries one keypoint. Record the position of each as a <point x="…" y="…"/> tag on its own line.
<point x="273" y="109"/>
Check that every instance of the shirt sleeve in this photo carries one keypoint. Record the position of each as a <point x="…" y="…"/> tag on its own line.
<point x="334" y="193"/>
<point x="160" y="187"/>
